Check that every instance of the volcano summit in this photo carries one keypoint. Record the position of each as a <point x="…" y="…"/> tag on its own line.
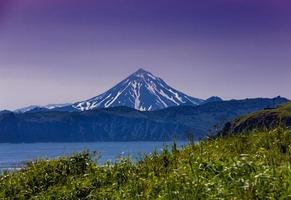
<point x="142" y="91"/>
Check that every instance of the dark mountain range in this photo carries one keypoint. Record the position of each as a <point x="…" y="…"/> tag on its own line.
<point x="126" y="124"/>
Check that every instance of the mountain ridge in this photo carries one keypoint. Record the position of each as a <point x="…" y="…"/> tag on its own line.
<point x="126" y="124"/>
<point x="34" y="108"/>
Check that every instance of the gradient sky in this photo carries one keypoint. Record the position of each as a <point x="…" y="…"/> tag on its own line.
<point x="58" y="51"/>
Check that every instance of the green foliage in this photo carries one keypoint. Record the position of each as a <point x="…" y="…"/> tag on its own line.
<point x="250" y="166"/>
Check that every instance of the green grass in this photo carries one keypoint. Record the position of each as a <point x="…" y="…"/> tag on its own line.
<point x="251" y="166"/>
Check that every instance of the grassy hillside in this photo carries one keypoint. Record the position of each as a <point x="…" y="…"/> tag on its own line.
<point x="252" y="166"/>
<point x="261" y="120"/>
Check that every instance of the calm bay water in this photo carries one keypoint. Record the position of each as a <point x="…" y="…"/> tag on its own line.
<point x="13" y="156"/>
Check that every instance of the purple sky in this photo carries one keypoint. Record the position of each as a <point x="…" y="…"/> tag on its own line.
<point x="57" y="51"/>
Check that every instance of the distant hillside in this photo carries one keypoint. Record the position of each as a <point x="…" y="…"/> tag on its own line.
<point x="212" y="99"/>
<point x="126" y="124"/>
<point x="261" y="120"/>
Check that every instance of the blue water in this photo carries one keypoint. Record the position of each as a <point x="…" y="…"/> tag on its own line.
<point x="14" y="156"/>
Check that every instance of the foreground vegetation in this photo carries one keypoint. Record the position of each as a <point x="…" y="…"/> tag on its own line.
<point x="251" y="166"/>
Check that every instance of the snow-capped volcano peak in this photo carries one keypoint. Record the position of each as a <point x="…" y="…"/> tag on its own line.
<point x="142" y="91"/>
<point x="141" y="71"/>
<point x="143" y="74"/>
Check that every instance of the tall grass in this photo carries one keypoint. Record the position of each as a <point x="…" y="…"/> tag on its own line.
<point x="252" y="166"/>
